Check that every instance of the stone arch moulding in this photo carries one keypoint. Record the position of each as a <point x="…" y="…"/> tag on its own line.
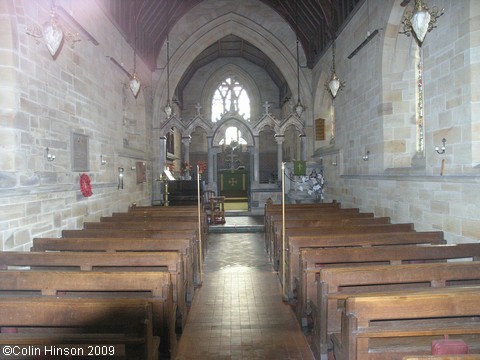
<point x="267" y="120"/>
<point x="238" y="122"/>
<point x="198" y="122"/>
<point x="244" y="78"/>
<point x="215" y="30"/>
<point x="172" y="122"/>
<point x="295" y="122"/>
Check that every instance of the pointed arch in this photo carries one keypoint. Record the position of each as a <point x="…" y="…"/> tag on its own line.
<point x="294" y="121"/>
<point x="231" y="23"/>
<point x="242" y="125"/>
<point x="266" y="121"/>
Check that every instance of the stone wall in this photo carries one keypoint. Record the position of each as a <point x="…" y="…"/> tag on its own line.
<point x="376" y="112"/>
<point x="44" y="102"/>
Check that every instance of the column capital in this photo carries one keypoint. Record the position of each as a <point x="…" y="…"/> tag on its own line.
<point x="279" y="138"/>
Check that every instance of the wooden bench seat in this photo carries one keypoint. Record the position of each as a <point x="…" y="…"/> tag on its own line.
<point x="171" y="261"/>
<point x="171" y="216"/>
<point x="391" y="326"/>
<point x="107" y="244"/>
<point x="297" y="242"/>
<point x="443" y="357"/>
<point x="314" y="260"/>
<point x="155" y="287"/>
<point x="302" y="226"/>
<point x="341" y="229"/>
<point x="115" y="323"/>
<point x="307" y="214"/>
<point x="335" y="284"/>
<point x="148" y="226"/>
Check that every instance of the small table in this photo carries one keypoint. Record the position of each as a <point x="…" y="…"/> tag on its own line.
<point x="217" y="209"/>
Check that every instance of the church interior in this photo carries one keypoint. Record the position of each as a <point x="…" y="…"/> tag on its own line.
<point x="230" y="148"/>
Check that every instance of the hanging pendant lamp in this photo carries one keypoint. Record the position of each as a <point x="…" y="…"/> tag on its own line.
<point x="334" y="84"/>
<point x="134" y="81"/>
<point x="53" y="33"/>
<point x="421" y="20"/>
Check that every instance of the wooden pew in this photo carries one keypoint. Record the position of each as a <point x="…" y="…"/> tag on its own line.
<point x="166" y="223"/>
<point x="107" y="244"/>
<point x="297" y="242"/>
<point x="300" y="226"/>
<point x="322" y="233"/>
<point x="391" y="326"/>
<point x="335" y="284"/>
<point x="193" y="252"/>
<point x="116" y="325"/>
<point x="443" y="357"/>
<point x="148" y="226"/>
<point x="143" y="225"/>
<point x="154" y="286"/>
<point x="312" y="261"/>
<point x="171" y="261"/>
<point x="277" y="209"/>
<point x="306" y="214"/>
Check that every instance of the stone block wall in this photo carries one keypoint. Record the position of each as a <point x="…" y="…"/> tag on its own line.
<point x="44" y="102"/>
<point x="377" y="112"/>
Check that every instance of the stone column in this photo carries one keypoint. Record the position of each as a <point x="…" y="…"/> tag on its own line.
<point x="251" y="168"/>
<point x="303" y="147"/>
<point x="162" y="161"/>
<point x="186" y="148"/>
<point x="256" y="160"/>
<point x="210" y="160"/>
<point x="279" y="139"/>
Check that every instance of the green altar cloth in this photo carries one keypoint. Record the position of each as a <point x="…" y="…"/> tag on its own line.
<point x="233" y="183"/>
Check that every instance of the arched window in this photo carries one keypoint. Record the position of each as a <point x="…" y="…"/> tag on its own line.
<point x="230" y="97"/>
<point x="232" y="134"/>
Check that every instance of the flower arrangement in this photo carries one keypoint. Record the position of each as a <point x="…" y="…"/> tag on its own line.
<point x="313" y="185"/>
<point x="85" y="185"/>
<point x="186" y="168"/>
<point x="202" y="166"/>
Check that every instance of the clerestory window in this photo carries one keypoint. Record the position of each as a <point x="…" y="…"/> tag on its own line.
<point x="232" y="98"/>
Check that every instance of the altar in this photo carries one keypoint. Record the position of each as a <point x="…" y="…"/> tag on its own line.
<point x="234" y="183"/>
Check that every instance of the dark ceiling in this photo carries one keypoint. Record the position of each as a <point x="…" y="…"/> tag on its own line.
<point x="318" y="21"/>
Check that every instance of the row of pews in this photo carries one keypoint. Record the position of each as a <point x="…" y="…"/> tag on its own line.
<point x="369" y="289"/>
<point x="120" y="287"/>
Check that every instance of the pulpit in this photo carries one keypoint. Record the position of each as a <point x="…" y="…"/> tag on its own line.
<point x="234" y="183"/>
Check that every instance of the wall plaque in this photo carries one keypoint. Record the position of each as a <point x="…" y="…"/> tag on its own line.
<point x="141" y="172"/>
<point x="319" y="129"/>
<point x="80" y="152"/>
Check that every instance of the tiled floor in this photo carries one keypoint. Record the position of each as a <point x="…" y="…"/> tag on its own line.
<point x="238" y="312"/>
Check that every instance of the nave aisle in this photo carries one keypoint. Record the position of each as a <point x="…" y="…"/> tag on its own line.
<point x="238" y="312"/>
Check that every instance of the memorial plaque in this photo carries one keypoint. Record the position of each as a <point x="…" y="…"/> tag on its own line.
<point x="80" y="152"/>
<point x="141" y="172"/>
<point x="320" y="129"/>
